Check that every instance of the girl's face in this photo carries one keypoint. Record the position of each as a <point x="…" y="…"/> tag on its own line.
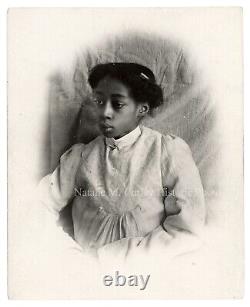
<point x="118" y="112"/>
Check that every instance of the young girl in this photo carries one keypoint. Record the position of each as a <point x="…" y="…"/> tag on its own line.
<point x="131" y="181"/>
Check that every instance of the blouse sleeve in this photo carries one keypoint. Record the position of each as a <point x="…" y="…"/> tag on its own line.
<point x="184" y="201"/>
<point x="60" y="184"/>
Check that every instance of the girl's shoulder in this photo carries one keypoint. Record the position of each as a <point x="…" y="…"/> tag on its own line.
<point x="169" y="142"/>
<point x="172" y="142"/>
<point x="176" y="151"/>
<point x="78" y="149"/>
<point x="74" y="150"/>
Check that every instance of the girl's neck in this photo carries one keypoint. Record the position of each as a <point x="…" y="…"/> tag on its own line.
<point x="119" y="137"/>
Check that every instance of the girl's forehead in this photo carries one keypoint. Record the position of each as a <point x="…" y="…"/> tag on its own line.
<point x="109" y="85"/>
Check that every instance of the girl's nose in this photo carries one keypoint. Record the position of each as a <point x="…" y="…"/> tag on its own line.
<point x="108" y="110"/>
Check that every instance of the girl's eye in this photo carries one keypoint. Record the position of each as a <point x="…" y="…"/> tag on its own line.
<point x="118" y="105"/>
<point x="98" y="101"/>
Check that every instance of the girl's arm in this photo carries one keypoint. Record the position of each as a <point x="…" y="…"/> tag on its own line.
<point x="182" y="229"/>
<point x="57" y="189"/>
<point x="185" y="204"/>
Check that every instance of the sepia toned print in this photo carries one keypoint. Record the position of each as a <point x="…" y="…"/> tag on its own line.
<point x="127" y="182"/>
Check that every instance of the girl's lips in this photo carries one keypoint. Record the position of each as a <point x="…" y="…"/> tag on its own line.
<point x="106" y="126"/>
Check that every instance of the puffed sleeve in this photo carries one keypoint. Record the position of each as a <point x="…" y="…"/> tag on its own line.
<point x="184" y="201"/>
<point x="57" y="189"/>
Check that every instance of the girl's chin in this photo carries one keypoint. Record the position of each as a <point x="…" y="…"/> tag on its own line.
<point x="108" y="132"/>
<point x="111" y="134"/>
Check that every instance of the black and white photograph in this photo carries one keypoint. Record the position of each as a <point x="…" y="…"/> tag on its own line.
<point x="125" y="153"/>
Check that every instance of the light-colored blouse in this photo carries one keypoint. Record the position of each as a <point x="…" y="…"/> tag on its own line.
<point x="127" y="188"/>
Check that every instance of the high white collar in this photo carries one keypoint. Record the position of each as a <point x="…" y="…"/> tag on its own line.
<point x="126" y="140"/>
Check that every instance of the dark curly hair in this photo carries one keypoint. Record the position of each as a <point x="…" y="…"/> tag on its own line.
<point x="139" y="79"/>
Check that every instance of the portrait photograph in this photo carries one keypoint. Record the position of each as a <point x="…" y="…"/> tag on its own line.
<point x="125" y="153"/>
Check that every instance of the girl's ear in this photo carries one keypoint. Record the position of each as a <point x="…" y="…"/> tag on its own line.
<point x="143" y="109"/>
